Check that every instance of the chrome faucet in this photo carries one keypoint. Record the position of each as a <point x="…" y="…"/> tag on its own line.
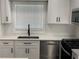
<point x="28" y="29"/>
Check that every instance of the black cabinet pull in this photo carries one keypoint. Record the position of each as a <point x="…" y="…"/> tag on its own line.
<point x="6" y="18"/>
<point x="28" y="43"/>
<point x="11" y="50"/>
<point x="5" y="43"/>
<point x="56" y="19"/>
<point x="59" y="19"/>
<point x="26" y="50"/>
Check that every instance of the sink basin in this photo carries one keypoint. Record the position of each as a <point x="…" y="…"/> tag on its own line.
<point x="29" y="37"/>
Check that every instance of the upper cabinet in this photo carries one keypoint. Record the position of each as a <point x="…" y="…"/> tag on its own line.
<point x="59" y="12"/>
<point x="5" y="11"/>
<point x="75" y="4"/>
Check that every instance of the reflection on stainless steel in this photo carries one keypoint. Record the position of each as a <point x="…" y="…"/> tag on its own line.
<point x="49" y="50"/>
<point x="65" y="50"/>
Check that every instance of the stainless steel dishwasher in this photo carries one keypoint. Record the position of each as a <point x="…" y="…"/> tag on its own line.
<point x="49" y="50"/>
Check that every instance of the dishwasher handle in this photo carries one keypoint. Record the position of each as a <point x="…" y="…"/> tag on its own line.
<point x="51" y="43"/>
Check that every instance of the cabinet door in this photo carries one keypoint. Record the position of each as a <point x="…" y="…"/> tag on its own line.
<point x="6" y="51"/>
<point x="33" y="53"/>
<point x="27" y="49"/>
<point x="59" y="11"/>
<point x="5" y="11"/>
<point x="21" y="52"/>
<point x="29" y="52"/>
<point x="64" y="11"/>
<point x="53" y="11"/>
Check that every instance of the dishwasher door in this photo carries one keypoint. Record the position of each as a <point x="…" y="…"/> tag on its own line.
<point x="49" y="50"/>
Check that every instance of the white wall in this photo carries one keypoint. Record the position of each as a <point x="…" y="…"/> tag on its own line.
<point x="61" y="30"/>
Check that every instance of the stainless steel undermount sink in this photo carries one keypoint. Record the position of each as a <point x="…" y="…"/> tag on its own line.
<point x="29" y="37"/>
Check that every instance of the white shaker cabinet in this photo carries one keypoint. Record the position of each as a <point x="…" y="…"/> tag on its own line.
<point x="33" y="53"/>
<point x="21" y="52"/>
<point x="5" y="11"/>
<point x="30" y="52"/>
<point x="6" y="49"/>
<point x="27" y="49"/>
<point x="20" y="49"/>
<point x="59" y="12"/>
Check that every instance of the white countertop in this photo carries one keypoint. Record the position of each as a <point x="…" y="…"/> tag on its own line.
<point x="40" y="38"/>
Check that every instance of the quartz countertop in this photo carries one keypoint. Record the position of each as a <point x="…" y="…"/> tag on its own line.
<point x="40" y="38"/>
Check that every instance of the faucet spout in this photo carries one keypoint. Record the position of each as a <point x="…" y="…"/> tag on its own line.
<point x="28" y="29"/>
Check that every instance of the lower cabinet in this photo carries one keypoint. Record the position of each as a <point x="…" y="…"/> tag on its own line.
<point x="6" y="52"/>
<point x="33" y="53"/>
<point x="6" y="49"/>
<point x="21" y="52"/>
<point x="20" y="49"/>
<point x="30" y="52"/>
<point x="29" y="49"/>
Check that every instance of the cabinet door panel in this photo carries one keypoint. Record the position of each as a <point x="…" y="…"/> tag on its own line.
<point x="65" y="11"/>
<point x="3" y="8"/>
<point x="6" y="51"/>
<point x="20" y="52"/>
<point x="33" y="53"/>
<point x="5" y="11"/>
<point x="29" y="52"/>
<point x="52" y="11"/>
<point x="60" y="9"/>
